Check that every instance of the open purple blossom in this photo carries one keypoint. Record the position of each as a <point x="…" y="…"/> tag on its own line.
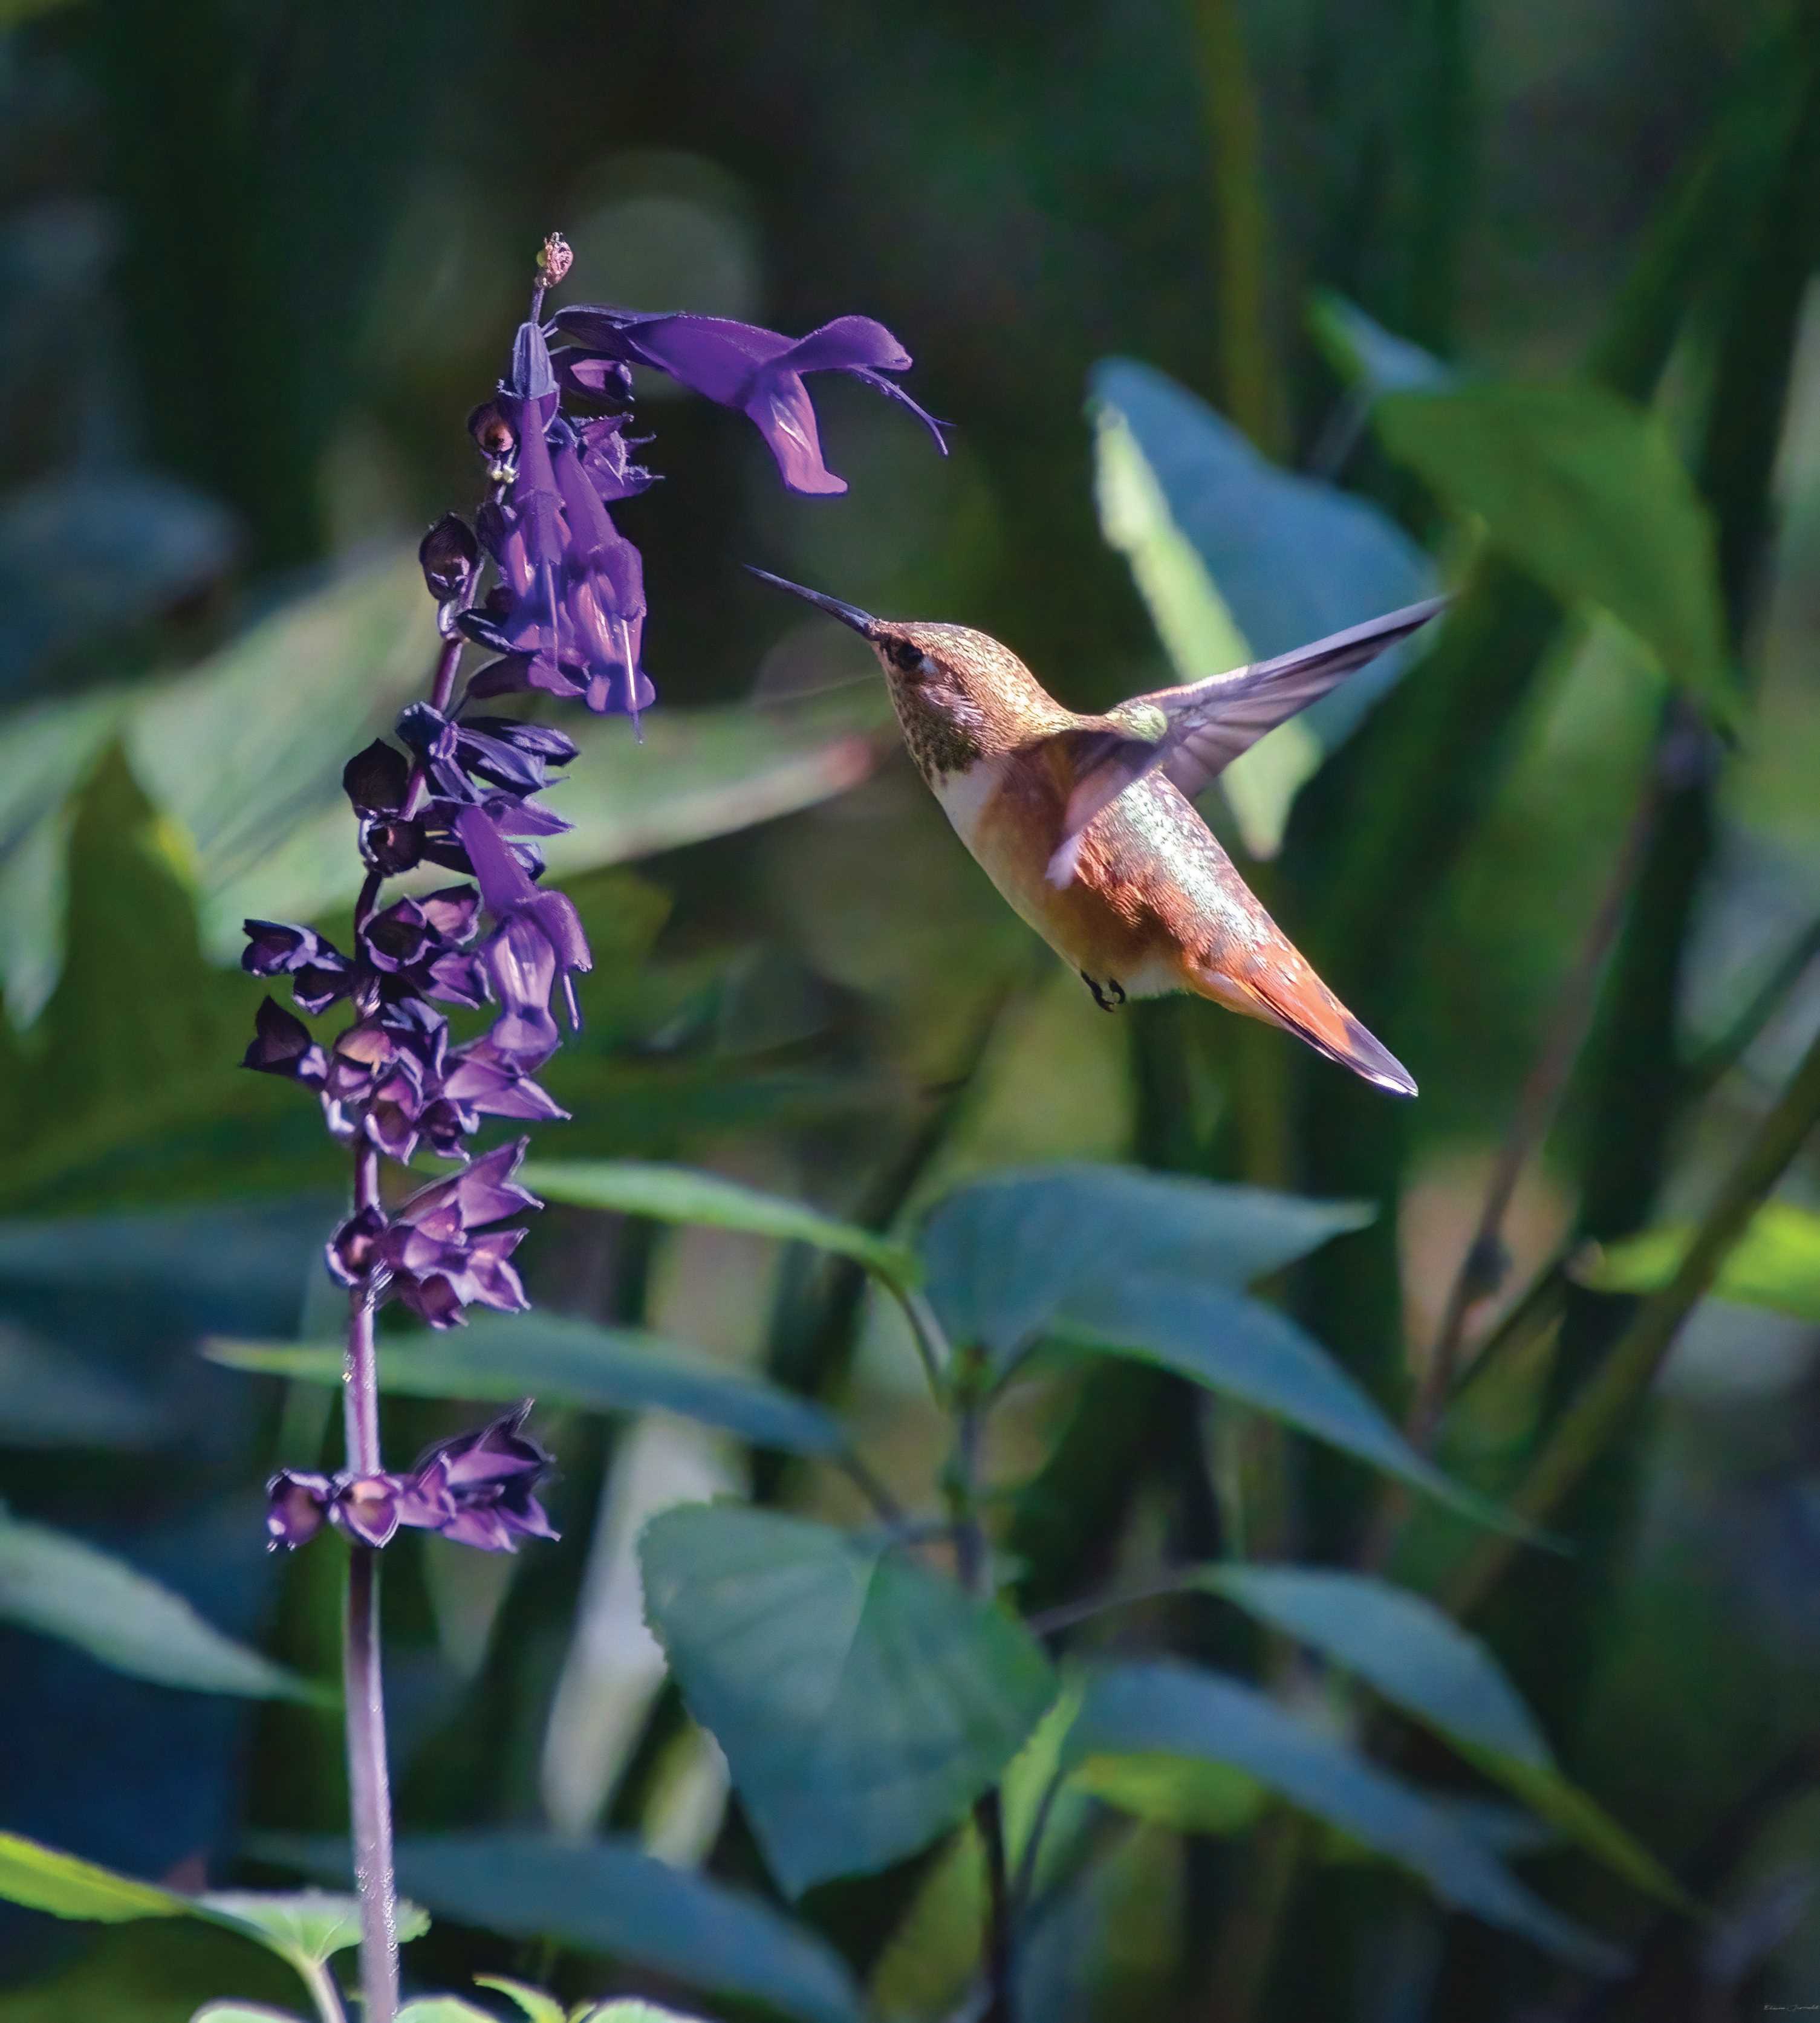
<point x="537" y="939"/>
<point x="740" y="365"/>
<point x="478" y="1489"/>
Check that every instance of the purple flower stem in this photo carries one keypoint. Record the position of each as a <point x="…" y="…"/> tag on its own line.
<point x="369" y="1786"/>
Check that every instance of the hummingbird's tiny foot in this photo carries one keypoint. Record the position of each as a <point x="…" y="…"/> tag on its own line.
<point x="1108" y="996"/>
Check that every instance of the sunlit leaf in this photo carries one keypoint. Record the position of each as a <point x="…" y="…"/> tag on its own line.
<point x="1215" y="1798"/>
<point x="1249" y="1352"/>
<point x="1587" y="493"/>
<point x="863" y="1701"/>
<point x="242" y="2012"/>
<point x="443" y="2009"/>
<point x="1005" y="1252"/>
<point x="538" y="2007"/>
<point x="1422" y="1662"/>
<point x="44" y="1879"/>
<point x="679" y="1193"/>
<point x="59" y="1586"/>
<point x="1775" y="1264"/>
<point x="1160" y="1709"/>
<point x="563" y="1361"/>
<point x="1238" y="560"/>
<point x="609" y="1896"/>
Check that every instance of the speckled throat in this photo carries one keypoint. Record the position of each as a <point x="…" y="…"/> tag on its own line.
<point x="976" y="700"/>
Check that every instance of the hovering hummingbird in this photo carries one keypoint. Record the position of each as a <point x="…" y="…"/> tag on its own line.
<point x="1086" y="824"/>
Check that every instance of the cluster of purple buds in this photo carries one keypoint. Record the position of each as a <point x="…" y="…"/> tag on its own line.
<point x="479" y="1489"/>
<point x="564" y="613"/>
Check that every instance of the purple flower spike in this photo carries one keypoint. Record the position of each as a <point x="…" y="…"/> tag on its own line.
<point x="739" y="365"/>
<point x="537" y="937"/>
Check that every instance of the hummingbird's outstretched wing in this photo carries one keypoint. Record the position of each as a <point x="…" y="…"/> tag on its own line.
<point x="1190" y="734"/>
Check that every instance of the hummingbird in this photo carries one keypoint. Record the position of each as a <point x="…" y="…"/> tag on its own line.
<point x="1087" y="824"/>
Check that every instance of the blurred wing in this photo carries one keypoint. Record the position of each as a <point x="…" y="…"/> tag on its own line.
<point x="1203" y="725"/>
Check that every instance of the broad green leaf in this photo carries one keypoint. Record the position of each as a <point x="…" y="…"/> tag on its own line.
<point x="1422" y="1662"/>
<point x="678" y="1194"/>
<point x="443" y="2009"/>
<point x="863" y="1701"/>
<point x="631" y="2012"/>
<point x="44" y="1879"/>
<point x="1249" y="1352"/>
<point x="1238" y="560"/>
<point x="307" y="1925"/>
<point x="565" y="1362"/>
<point x="1775" y="1264"/>
<point x="1586" y="492"/>
<point x="1163" y="1709"/>
<point x="59" y="1586"/>
<point x="610" y="1897"/>
<point x="1004" y="1253"/>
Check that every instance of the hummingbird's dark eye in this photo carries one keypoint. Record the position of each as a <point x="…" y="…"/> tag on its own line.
<point x="907" y="656"/>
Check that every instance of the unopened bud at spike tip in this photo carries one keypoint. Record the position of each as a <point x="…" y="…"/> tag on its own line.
<point x="554" y="257"/>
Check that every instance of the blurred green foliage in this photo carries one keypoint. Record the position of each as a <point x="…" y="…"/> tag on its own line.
<point x="1252" y="320"/>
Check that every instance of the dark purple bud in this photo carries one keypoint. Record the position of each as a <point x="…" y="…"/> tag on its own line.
<point x="297" y="1508"/>
<point x="392" y="845"/>
<point x="282" y="1045"/>
<point x="353" y="1249"/>
<point x="447" y="555"/>
<point x="374" y="780"/>
<point x="492" y="433"/>
<point x="320" y="973"/>
<point x="367" y="1507"/>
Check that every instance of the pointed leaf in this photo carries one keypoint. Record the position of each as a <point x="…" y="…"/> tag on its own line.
<point x="610" y="1897"/>
<point x="1005" y="1253"/>
<point x="678" y="1194"/>
<point x="566" y="1362"/>
<point x="1422" y="1662"/>
<point x="1775" y="1264"/>
<point x="443" y="2009"/>
<point x="1171" y="1710"/>
<point x="1254" y="1354"/>
<point x="44" y="1879"/>
<point x="1586" y="492"/>
<point x="538" y="2007"/>
<point x="242" y="2012"/>
<point x="863" y="1701"/>
<point x="59" y="1586"/>
<point x="1361" y="350"/>
<point x="1238" y="560"/>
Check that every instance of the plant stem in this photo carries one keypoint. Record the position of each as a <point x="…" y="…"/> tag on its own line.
<point x="1606" y="1403"/>
<point x="974" y="1564"/>
<point x="369" y="1790"/>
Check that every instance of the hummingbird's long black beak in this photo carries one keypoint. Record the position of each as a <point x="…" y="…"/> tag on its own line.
<point x="863" y="622"/>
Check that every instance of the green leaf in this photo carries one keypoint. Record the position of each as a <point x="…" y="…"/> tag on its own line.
<point x="863" y="1701"/>
<point x="678" y="1194"/>
<point x="307" y="1927"/>
<point x="1005" y="1253"/>
<point x="631" y="2012"/>
<point x="1775" y="1264"/>
<point x="1422" y="1662"/>
<point x="1172" y="1710"/>
<point x="43" y="1879"/>
<point x="242" y="2012"/>
<point x="564" y="1362"/>
<point x="1238" y="560"/>
<point x="540" y="2007"/>
<point x="609" y="1896"/>
<point x="1361" y="351"/>
<point x="443" y="2009"/>
<point x="1215" y="1798"/>
<point x="61" y="1587"/>
<point x="1247" y="1351"/>
<point x="1585" y="491"/>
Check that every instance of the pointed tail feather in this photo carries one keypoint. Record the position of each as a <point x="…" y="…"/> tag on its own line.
<point x="1286" y="993"/>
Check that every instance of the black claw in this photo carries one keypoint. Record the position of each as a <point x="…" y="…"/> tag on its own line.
<point x="1109" y="995"/>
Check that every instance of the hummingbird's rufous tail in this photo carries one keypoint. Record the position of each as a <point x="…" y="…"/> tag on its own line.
<point x="1279" y="986"/>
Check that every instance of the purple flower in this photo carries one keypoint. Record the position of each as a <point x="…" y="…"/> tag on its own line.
<point x="537" y="938"/>
<point x="741" y="366"/>
<point x="282" y="1045"/>
<point x="428" y="1253"/>
<point x="479" y="1489"/>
